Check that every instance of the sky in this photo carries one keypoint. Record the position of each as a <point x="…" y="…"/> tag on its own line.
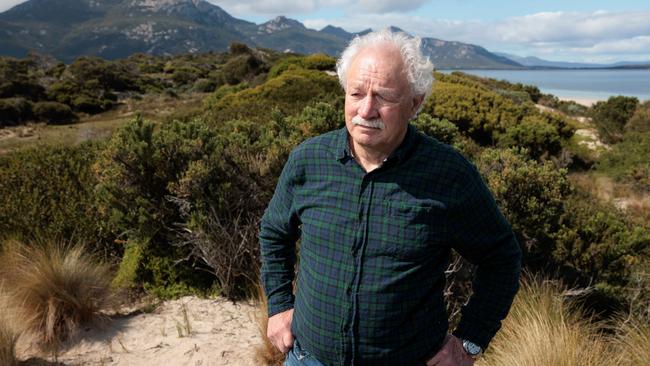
<point x="558" y="30"/>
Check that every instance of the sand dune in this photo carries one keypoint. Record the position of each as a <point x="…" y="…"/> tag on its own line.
<point x="220" y="333"/>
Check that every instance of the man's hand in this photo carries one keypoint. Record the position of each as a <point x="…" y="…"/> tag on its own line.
<point x="279" y="330"/>
<point x="452" y="353"/>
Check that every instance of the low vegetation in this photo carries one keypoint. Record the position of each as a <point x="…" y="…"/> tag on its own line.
<point x="547" y="327"/>
<point x="8" y="331"/>
<point x="53" y="289"/>
<point x="174" y="200"/>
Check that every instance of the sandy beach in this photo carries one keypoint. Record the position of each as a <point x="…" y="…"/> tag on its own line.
<point x="187" y="331"/>
<point x="584" y="101"/>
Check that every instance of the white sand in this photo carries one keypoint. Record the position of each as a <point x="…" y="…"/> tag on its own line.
<point x="584" y="101"/>
<point x="222" y="333"/>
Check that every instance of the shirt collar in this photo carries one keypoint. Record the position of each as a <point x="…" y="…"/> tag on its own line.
<point x="342" y="147"/>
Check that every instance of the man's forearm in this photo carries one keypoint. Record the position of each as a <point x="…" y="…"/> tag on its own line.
<point x="495" y="285"/>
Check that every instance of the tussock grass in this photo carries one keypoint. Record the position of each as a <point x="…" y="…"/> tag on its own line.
<point x="265" y="353"/>
<point x="543" y="330"/>
<point x="633" y="343"/>
<point x="8" y="333"/>
<point x="54" y="288"/>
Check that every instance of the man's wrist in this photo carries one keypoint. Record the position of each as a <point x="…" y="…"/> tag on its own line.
<point x="472" y="349"/>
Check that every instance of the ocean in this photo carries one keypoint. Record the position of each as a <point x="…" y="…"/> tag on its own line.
<point x="579" y="84"/>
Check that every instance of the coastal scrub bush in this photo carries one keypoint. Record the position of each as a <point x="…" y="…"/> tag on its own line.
<point x="597" y="248"/>
<point x="476" y="111"/>
<point x="150" y="181"/>
<point x="629" y="160"/>
<point x="491" y="119"/>
<point x="240" y="68"/>
<point x="533" y="133"/>
<point x="440" y="129"/>
<point x="14" y="111"/>
<point x="17" y="79"/>
<point x="48" y="192"/>
<point x="611" y="116"/>
<point x="289" y="93"/>
<point x="530" y="195"/>
<point x="640" y="120"/>
<point x="53" y="112"/>
<point x="55" y="288"/>
<point x="312" y="62"/>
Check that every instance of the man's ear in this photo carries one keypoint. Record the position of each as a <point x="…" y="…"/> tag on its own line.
<point x="417" y="102"/>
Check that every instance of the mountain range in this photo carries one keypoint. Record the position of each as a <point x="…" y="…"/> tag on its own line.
<point x="114" y="29"/>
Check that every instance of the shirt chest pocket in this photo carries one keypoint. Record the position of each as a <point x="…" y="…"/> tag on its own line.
<point x="413" y="228"/>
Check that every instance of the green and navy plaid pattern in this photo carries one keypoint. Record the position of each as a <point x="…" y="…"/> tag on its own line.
<point x="374" y="248"/>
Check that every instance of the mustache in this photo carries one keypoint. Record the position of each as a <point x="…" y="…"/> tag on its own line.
<point x="377" y="123"/>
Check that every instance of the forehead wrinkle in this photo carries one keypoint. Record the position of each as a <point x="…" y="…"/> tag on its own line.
<point x="379" y="82"/>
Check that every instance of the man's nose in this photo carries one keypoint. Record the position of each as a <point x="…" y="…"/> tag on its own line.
<point x="368" y="108"/>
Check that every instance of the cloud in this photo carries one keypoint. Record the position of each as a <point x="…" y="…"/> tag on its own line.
<point x="238" y="7"/>
<point x="391" y="6"/>
<point x="264" y="7"/>
<point x="547" y="33"/>
<point x="8" y="4"/>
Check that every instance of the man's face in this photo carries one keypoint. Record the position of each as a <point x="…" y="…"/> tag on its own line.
<point x="377" y="88"/>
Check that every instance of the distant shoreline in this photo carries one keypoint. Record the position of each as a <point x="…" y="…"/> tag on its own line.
<point x="584" y="86"/>
<point x="587" y="102"/>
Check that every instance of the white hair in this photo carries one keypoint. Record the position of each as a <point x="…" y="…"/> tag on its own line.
<point x="419" y="70"/>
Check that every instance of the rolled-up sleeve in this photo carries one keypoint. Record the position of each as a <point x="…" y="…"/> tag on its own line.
<point x="279" y="231"/>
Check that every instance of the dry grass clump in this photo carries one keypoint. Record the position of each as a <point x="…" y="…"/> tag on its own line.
<point x="8" y="333"/>
<point x="542" y="330"/>
<point x="265" y="353"/>
<point x="633" y="344"/>
<point x="54" y="288"/>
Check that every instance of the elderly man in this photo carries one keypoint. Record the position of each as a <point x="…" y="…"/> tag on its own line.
<point x="378" y="206"/>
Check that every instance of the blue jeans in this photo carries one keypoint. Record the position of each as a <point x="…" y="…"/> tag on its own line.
<point x="299" y="357"/>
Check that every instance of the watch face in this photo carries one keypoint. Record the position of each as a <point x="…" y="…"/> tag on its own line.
<point x="471" y="348"/>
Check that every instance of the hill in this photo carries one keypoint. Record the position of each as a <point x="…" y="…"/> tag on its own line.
<point x="114" y="29"/>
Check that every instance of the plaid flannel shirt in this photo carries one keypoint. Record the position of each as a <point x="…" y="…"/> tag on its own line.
<point x="374" y="248"/>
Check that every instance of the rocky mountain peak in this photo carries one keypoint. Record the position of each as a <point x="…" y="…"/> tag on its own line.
<point x="279" y="23"/>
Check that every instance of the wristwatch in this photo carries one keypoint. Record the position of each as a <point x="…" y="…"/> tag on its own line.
<point x="473" y="350"/>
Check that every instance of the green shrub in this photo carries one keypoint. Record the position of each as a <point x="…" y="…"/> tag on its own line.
<point x="489" y="118"/>
<point x="204" y="86"/>
<point x="240" y="68"/>
<point x="237" y="48"/>
<point x="640" y="120"/>
<point x="611" y="116"/>
<point x="477" y="112"/>
<point x="185" y="75"/>
<point x="628" y="161"/>
<point x="90" y="105"/>
<point x="53" y="112"/>
<point x="14" y="111"/>
<point x="144" y="174"/>
<point x="533" y="133"/>
<point x="312" y="62"/>
<point x="210" y="101"/>
<point x="289" y="92"/>
<point x="441" y="129"/>
<point x="18" y="79"/>
<point x="530" y="195"/>
<point x="48" y="192"/>
<point x="597" y="247"/>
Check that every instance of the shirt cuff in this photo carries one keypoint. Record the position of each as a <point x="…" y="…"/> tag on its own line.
<point x="471" y="331"/>
<point x="280" y="306"/>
